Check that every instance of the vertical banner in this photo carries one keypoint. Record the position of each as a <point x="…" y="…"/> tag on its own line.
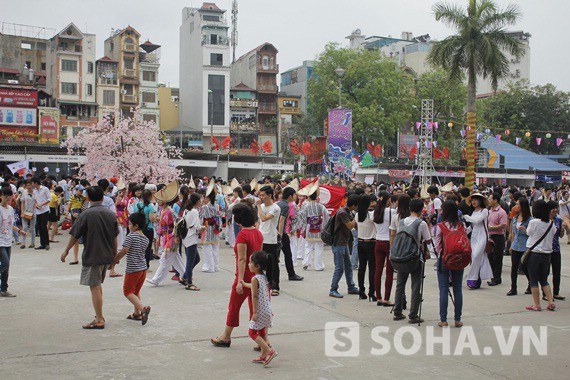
<point x="340" y="142"/>
<point x="49" y="125"/>
<point x="406" y="143"/>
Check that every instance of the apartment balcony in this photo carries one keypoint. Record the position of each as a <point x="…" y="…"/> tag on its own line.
<point x="267" y="88"/>
<point x="73" y="49"/>
<point x="244" y="127"/>
<point x="221" y="41"/>
<point x="274" y="69"/>
<point x="130" y="48"/>
<point x="106" y="82"/>
<point x="130" y="73"/>
<point x="267" y="108"/>
<point x="149" y="57"/>
<point x="128" y="98"/>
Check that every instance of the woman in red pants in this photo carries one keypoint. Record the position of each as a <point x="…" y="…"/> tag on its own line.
<point x="248" y="240"/>
<point x="383" y="215"/>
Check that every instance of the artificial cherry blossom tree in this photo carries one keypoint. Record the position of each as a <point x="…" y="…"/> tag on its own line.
<point x="133" y="149"/>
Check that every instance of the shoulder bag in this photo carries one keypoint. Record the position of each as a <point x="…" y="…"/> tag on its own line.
<point x="526" y="253"/>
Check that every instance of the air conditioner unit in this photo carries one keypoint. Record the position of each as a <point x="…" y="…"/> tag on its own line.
<point x="123" y="92"/>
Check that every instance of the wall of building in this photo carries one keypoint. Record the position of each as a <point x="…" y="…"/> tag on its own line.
<point x="169" y="109"/>
<point x="14" y="52"/>
<point x="297" y="82"/>
<point x="244" y="70"/>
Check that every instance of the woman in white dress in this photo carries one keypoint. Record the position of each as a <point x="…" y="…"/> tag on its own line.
<point x="480" y="268"/>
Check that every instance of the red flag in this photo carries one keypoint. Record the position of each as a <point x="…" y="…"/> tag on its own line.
<point x="437" y="154"/>
<point x="445" y="153"/>
<point x="331" y="197"/>
<point x="306" y="148"/>
<point x="295" y="147"/>
<point x="267" y="147"/>
<point x="370" y="148"/>
<point x="413" y="152"/>
<point x="227" y="143"/>
<point x="377" y="150"/>
<point x="215" y="143"/>
<point x="305" y="182"/>
<point x="255" y="147"/>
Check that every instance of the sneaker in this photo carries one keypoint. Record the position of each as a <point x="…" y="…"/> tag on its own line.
<point x="31" y="246"/>
<point x="152" y="282"/>
<point x="23" y="246"/>
<point x="353" y="291"/>
<point x="398" y="317"/>
<point x="296" y="278"/>
<point x="7" y="294"/>
<point x="335" y="294"/>
<point x="415" y="320"/>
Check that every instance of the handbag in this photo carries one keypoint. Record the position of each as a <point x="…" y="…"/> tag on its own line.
<point x="526" y="253"/>
<point x="490" y="246"/>
<point x="28" y="215"/>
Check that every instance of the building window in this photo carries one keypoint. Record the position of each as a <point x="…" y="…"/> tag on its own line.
<point x="129" y="63"/>
<point x="89" y="89"/>
<point x="213" y="39"/>
<point x="217" y="84"/>
<point x="149" y="117"/>
<point x="216" y="59"/>
<point x="28" y="64"/>
<point x="149" y="76"/>
<point x="290" y="104"/>
<point x="108" y="97"/>
<point x="89" y="67"/>
<point x="148" y="97"/>
<point x="43" y="66"/>
<point x="26" y="45"/>
<point x="210" y="18"/>
<point x="265" y="62"/>
<point x="68" y="65"/>
<point x="69" y="88"/>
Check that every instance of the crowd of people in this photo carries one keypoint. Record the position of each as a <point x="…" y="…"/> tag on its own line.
<point x="389" y="230"/>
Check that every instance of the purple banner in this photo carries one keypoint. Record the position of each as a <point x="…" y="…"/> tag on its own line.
<point x="340" y="142"/>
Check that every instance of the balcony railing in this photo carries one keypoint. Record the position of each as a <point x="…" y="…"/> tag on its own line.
<point x="126" y="98"/>
<point x="268" y="68"/>
<point x="222" y="41"/>
<point x="130" y="47"/>
<point x="244" y="127"/>
<point x="267" y="108"/>
<point x="267" y="88"/>
<point x="70" y="49"/>
<point x="129" y="73"/>
<point x="107" y="81"/>
<point x="149" y="57"/>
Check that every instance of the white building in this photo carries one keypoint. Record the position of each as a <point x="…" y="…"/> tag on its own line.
<point x="296" y="82"/>
<point x="149" y="63"/>
<point x="204" y="74"/>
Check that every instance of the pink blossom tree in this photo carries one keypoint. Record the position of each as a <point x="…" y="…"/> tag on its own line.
<point x="133" y="149"/>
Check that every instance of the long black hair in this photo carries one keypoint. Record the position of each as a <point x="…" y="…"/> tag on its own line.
<point x="541" y="211"/>
<point x="146" y="197"/>
<point x="264" y="260"/>
<point x="184" y="191"/>
<point x="383" y="198"/>
<point x="449" y="213"/>
<point x="524" y="208"/>
<point x="363" y="204"/>
<point x="192" y="200"/>
<point x="404" y="206"/>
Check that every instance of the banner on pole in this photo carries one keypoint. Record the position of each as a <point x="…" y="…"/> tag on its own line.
<point x="340" y="141"/>
<point x="20" y="167"/>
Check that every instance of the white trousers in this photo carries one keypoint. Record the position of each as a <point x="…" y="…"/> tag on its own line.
<point x="167" y="260"/>
<point x="230" y="236"/>
<point x="121" y="237"/>
<point x="300" y="248"/>
<point x="314" y="248"/>
<point x="211" y="257"/>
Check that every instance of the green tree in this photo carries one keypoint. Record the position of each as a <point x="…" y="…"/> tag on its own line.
<point x="379" y="93"/>
<point x="525" y="108"/>
<point x="478" y="49"/>
<point x="448" y="96"/>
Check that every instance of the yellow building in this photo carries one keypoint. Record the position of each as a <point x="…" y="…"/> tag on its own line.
<point x="289" y="105"/>
<point x="168" y="107"/>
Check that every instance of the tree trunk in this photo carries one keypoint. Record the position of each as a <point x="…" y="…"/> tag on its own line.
<point x="471" y="128"/>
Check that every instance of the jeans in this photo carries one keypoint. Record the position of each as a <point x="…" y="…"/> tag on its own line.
<point x="496" y="257"/>
<point x="416" y="276"/>
<point x="287" y="254"/>
<point x="538" y="269"/>
<point x="556" y="261"/>
<point x="273" y="251"/>
<point x="237" y="229"/>
<point x="342" y="265"/>
<point x="354" y="250"/>
<point x="516" y="257"/>
<point x="444" y="276"/>
<point x="42" y="228"/>
<point x="366" y="256"/>
<point x="192" y="259"/>
<point x="29" y="226"/>
<point x="4" y="267"/>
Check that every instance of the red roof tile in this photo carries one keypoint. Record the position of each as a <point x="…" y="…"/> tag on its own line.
<point x="210" y="7"/>
<point x="105" y="59"/>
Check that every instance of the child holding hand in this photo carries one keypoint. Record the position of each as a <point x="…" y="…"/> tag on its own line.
<point x="261" y="319"/>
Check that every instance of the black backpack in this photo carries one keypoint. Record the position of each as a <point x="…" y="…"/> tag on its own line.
<point x="327" y="233"/>
<point x="405" y="252"/>
<point x="181" y="228"/>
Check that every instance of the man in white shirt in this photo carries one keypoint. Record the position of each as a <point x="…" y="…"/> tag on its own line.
<point x="42" y="198"/>
<point x="6" y="229"/>
<point x="268" y="221"/>
<point x="564" y="211"/>
<point x="108" y="202"/>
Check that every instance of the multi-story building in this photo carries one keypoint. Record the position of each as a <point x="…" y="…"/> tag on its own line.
<point x="296" y="82"/>
<point x="149" y="63"/>
<point x="168" y="105"/>
<point x="107" y="88"/>
<point x="204" y="74"/>
<point x="71" y="78"/>
<point x="244" y="125"/>
<point x="258" y="70"/>
<point x="123" y="46"/>
<point x="289" y="108"/>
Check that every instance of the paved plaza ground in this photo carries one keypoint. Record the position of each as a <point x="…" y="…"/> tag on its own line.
<point x="41" y="334"/>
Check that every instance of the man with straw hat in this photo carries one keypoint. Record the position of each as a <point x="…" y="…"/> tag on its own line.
<point x="313" y="217"/>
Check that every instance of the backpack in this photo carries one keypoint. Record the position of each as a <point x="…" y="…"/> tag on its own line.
<point x="456" y="247"/>
<point x="181" y="228"/>
<point x="405" y="252"/>
<point x="327" y="233"/>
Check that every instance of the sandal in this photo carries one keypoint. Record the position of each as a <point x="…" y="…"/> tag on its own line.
<point x="270" y="356"/>
<point x="144" y="315"/>
<point x="551" y="307"/>
<point x="74" y="263"/>
<point x="220" y="343"/>
<point x="192" y="287"/>
<point x="387" y="303"/>
<point x="533" y="308"/>
<point x="259" y="360"/>
<point x="93" y="326"/>
<point x="274" y="293"/>
<point x="116" y="275"/>
<point x="135" y="317"/>
<point x="558" y="297"/>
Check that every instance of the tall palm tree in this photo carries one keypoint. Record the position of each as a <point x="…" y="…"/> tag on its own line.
<point x="477" y="49"/>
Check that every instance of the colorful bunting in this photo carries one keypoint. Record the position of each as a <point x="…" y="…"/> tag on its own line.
<point x="538" y="140"/>
<point x="518" y="141"/>
<point x="463" y="133"/>
<point x="418" y="125"/>
<point x="559" y="142"/>
<point x="498" y="137"/>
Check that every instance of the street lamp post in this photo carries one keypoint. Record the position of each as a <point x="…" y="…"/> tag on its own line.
<point x="211" y="101"/>
<point x="340" y="73"/>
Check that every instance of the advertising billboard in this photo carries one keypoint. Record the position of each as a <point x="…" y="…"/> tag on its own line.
<point x="48" y="127"/>
<point x="18" y="98"/>
<point x="340" y="142"/>
<point x="407" y="142"/>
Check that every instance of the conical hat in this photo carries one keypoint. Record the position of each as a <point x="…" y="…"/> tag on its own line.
<point x="168" y="193"/>
<point x="447" y="188"/>
<point x="121" y="185"/>
<point x="294" y="184"/>
<point x="314" y="188"/>
<point x="234" y="183"/>
<point x="253" y="184"/>
<point x="211" y="187"/>
<point x="305" y="190"/>
<point x="227" y="190"/>
<point x="192" y="184"/>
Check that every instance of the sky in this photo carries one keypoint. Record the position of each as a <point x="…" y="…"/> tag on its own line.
<point x="299" y="29"/>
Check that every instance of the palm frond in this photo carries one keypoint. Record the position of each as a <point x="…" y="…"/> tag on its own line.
<point x="450" y="14"/>
<point x="500" y="19"/>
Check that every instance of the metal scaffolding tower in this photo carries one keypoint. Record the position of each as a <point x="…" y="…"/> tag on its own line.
<point x="234" y="29"/>
<point x="425" y="167"/>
